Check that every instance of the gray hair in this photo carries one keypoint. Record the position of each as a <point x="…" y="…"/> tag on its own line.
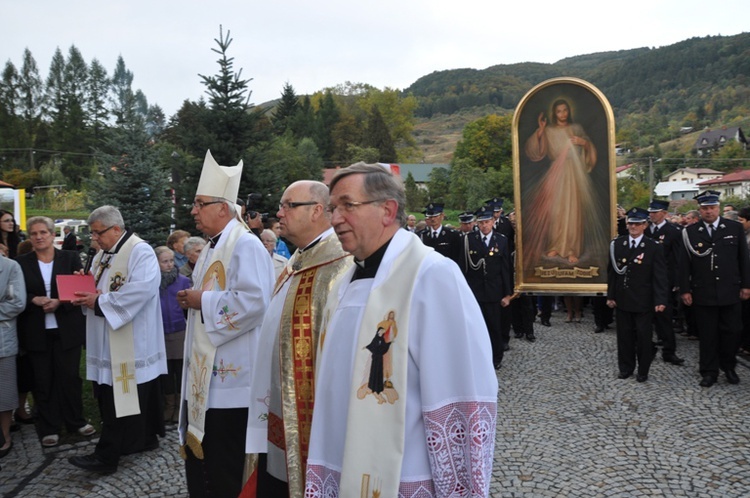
<point x="193" y="242"/>
<point x="162" y="249"/>
<point x="378" y="183"/>
<point x="108" y="216"/>
<point x="35" y="220"/>
<point x="731" y="215"/>
<point x="268" y="232"/>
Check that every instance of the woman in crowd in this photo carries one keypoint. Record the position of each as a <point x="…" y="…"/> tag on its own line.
<point x="193" y="247"/>
<point x="53" y="333"/>
<point x="269" y="242"/>
<point x="176" y="242"/>
<point x="281" y="248"/>
<point x="9" y="233"/>
<point x="174" y="330"/>
<point x="24" y="371"/>
<point x="12" y="301"/>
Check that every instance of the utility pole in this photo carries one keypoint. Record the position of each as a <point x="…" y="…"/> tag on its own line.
<point x="650" y="179"/>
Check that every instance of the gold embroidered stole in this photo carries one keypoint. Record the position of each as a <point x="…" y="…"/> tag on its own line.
<point x="201" y="361"/>
<point x="316" y="270"/>
<point x="121" y="345"/>
<point x="374" y="446"/>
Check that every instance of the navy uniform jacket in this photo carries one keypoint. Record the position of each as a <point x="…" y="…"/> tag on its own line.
<point x="503" y="226"/>
<point x="448" y="242"/>
<point x="670" y="238"/>
<point x="489" y="282"/>
<point x="644" y="283"/>
<point x="716" y="278"/>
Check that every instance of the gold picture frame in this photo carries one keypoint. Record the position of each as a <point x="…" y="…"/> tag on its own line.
<point x="565" y="188"/>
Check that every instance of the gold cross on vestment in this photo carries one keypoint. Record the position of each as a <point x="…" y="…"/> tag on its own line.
<point x="124" y="378"/>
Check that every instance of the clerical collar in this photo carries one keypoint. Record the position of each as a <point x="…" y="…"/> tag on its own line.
<point x="368" y="267"/>
<point x="215" y="239"/>
<point x="317" y="239"/>
<point x="123" y="238"/>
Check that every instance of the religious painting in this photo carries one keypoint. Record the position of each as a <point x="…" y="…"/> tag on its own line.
<point x="215" y="277"/>
<point x="565" y="188"/>
<point x="376" y="378"/>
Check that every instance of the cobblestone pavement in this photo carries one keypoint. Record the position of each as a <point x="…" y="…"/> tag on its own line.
<point x="567" y="427"/>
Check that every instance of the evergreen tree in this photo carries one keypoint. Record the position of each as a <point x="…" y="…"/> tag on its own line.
<point x="303" y="122"/>
<point x="30" y="98"/>
<point x="133" y="180"/>
<point x="414" y="195"/>
<point x="438" y="185"/>
<point x="11" y="130"/>
<point x="378" y="137"/>
<point x="285" y="110"/>
<point x="124" y="106"/>
<point x="232" y="119"/>
<point x="325" y="122"/>
<point x="96" y="102"/>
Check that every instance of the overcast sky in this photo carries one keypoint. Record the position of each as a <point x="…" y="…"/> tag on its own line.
<point x="316" y="44"/>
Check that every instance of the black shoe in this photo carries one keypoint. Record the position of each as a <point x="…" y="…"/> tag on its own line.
<point x="641" y="378"/>
<point x="92" y="463"/>
<point x="5" y="452"/>
<point x="506" y="347"/>
<point x="599" y="329"/>
<point x="546" y="323"/>
<point x="624" y="375"/>
<point x="530" y="337"/>
<point x="708" y="381"/>
<point x="732" y="377"/>
<point x="497" y="366"/>
<point x="673" y="359"/>
<point x="519" y="335"/>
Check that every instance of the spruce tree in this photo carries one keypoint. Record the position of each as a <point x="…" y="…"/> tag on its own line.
<point x="133" y="181"/>
<point x="378" y="137"/>
<point x="285" y="110"/>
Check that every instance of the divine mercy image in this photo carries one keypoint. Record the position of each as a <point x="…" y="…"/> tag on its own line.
<point x="565" y="185"/>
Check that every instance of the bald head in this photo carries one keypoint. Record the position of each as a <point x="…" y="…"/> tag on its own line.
<point x="303" y="215"/>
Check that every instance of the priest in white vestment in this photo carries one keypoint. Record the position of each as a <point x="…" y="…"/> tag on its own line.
<point x="125" y="351"/>
<point x="232" y="285"/>
<point x="406" y="393"/>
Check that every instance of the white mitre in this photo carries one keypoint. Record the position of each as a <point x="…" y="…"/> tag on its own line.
<point x="219" y="181"/>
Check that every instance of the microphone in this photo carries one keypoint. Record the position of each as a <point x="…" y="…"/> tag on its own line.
<point x="89" y="260"/>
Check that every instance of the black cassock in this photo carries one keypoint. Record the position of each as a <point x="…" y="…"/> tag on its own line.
<point x="378" y="347"/>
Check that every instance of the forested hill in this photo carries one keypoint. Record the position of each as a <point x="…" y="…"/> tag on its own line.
<point x="700" y="79"/>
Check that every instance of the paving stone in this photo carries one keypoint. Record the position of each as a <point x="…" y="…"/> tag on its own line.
<point x="566" y="427"/>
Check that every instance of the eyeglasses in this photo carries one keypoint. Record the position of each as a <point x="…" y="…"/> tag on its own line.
<point x="99" y="233"/>
<point x="350" y="206"/>
<point x="285" y="205"/>
<point x="200" y="204"/>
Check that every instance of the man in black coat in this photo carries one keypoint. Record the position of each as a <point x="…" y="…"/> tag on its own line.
<point x="636" y="288"/>
<point x="69" y="241"/>
<point x="714" y="272"/>
<point x="444" y="240"/>
<point x="503" y="226"/>
<point x="670" y="237"/>
<point x="485" y="261"/>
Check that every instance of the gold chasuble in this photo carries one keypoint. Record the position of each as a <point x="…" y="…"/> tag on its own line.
<point x="312" y="273"/>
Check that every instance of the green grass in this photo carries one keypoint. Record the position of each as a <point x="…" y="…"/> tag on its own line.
<point x="55" y="215"/>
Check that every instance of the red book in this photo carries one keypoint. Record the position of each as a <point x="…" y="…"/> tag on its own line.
<point x="68" y="285"/>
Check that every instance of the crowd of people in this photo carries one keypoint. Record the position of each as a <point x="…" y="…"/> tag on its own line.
<point x="285" y="348"/>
